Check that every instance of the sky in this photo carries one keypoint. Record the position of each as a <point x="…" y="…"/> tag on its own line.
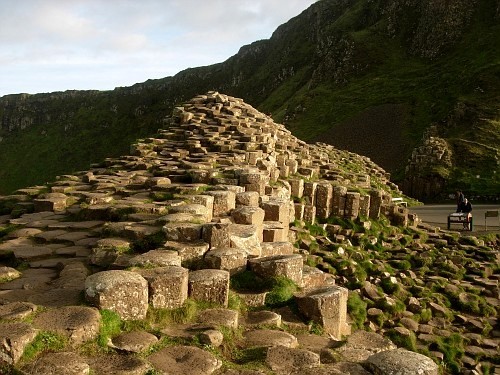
<point x="58" y="45"/>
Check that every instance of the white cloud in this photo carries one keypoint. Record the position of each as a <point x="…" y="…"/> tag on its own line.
<point x="54" y="45"/>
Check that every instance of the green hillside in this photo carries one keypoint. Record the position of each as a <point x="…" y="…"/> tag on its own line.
<point x="370" y="76"/>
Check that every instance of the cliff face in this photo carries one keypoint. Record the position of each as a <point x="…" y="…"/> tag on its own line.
<point x="337" y="64"/>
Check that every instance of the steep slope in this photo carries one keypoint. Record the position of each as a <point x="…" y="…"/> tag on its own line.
<point x="369" y="76"/>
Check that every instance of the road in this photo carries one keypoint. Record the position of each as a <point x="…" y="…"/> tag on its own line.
<point x="437" y="214"/>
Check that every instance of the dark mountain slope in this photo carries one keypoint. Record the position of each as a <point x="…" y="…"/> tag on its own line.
<point x="387" y="69"/>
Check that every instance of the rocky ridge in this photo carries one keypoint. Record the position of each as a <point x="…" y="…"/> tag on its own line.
<point x="160" y="243"/>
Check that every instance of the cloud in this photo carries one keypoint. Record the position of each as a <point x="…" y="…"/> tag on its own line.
<point x="51" y="45"/>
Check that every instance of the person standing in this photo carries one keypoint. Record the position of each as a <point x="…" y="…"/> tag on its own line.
<point x="466" y="208"/>
<point x="460" y="200"/>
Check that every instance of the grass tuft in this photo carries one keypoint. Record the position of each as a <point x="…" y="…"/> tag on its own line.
<point x="44" y="342"/>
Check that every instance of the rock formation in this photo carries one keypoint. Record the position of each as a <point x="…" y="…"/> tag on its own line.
<point x="220" y="195"/>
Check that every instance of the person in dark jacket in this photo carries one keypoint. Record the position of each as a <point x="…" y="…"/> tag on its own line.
<point x="466" y="207"/>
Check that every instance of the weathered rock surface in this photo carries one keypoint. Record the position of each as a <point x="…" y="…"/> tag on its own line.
<point x="123" y="292"/>
<point x="14" y="337"/>
<point x="268" y="338"/>
<point x="210" y="286"/>
<point x="284" y="360"/>
<point x="168" y="286"/>
<point x="135" y="341"/>
<point x="328" y="307"/>
<point x="63" y="363"/>
<point x="224" y="198"/>
<point x="401" y="361"/>
<point x="78" y="323"/>
<point x="181" y="360"/>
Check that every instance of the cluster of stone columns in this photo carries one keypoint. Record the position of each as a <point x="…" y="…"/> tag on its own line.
<point x="221" y="185"/>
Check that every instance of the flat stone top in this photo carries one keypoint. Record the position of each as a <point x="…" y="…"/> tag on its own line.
<point x="156" y="258"/>
<point x="322" y="292"/>
<point x="217" y="251"/>
<point x="17" y="310"/>
<point x="401" y="362"/>
<point x="68" y="318"/>
<point x="119" y="365"/>
<point x="269" y="337"/>
<point x="14" y="331"/>
<point x="112" y="243"/>
<point x="193" y="208"/>
<point x="208" y="274"/>
<point x="9" y="273"/>
<point x="135" y="341"/>
<point x="369" y="341"/>
<point x="277" y="258"/>
<point x="63" y="363"/>
<point x="219" y="317"/>
<point x="180" y="360"/>
<point x="105" y="280"/>
<point x="173" y="271"/>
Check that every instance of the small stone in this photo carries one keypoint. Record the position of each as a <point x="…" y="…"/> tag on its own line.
<point x="211" y="337"/>
<point x="119" y="365"/>
<point x="410" y="324"/>
<point x="8" y="274"/>
<point x="219" y="317"/>
<point x="135" y="341"/>
<point x="269" y="318"/>
<point x="268" y="337"/>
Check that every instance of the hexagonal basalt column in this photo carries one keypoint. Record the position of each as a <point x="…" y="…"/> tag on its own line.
<point x="168" y="286"/>
<point x="224" y="201"/>
<point x="338" y="203"/>
<point x="274" y="231"/>
<point x="277" y="210"/>
<point x="328" y="307"/>
<point x="123" y="292"/>
<point x="324" y="194"/>
<point x="231" y="259"/>
<point x="209" y="285"/>
<point x="248" y="215"/>
<point x="247" y="198"/>
<point x="352" y="205"/>
<point x="216" y="234"/>
<point x="289" y="266"/>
